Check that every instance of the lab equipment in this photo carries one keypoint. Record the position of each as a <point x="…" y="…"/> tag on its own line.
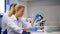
<point x="38" y="17"/>
<point x="48" y="30"/>
<point x="39" y="21"/>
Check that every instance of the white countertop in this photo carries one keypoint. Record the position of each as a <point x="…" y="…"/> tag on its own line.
<point x="45" y="32"/>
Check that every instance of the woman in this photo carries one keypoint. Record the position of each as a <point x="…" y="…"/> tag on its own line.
<point x="13" y="23"/>
<point x="5" y="18"/>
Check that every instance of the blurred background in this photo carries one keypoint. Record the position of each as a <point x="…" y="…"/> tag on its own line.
<point x="49" y="9"/>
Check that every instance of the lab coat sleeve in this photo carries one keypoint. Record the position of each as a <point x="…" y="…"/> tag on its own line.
<point x="27" y="25"/>
<point x="13" y="26"/>
<point x="4" y="20"/>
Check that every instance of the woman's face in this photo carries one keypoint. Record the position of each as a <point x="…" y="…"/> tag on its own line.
<point x="20" y="12"/>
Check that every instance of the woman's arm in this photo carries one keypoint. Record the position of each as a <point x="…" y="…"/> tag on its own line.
<point x="10" y="23"/>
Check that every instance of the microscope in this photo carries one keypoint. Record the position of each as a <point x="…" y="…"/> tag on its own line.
<point x="39" y="22"/>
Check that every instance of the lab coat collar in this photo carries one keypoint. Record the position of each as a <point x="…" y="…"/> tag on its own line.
<point x="14" y="17"/>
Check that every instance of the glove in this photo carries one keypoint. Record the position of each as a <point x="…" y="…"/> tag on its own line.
<point x="33" y="28"/>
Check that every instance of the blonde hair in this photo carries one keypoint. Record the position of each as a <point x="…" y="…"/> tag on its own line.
<point x="11" y="10"/>
<point x="14" y="9"/>
<point x="18" y="7"/>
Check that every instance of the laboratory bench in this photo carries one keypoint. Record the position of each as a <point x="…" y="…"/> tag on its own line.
<point x="55" y="32"/>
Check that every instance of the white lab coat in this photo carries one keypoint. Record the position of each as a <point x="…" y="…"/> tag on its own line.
<point x="14" y="26"/>
<point x="26" y="23"/>
<point x="7" y="21"/>
<point x="4" y="20"/>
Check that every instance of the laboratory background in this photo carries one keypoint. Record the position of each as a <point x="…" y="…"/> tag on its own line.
<point x="48" y="10"/>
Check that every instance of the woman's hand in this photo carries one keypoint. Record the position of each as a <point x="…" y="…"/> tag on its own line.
<point x="25" y="29"/>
